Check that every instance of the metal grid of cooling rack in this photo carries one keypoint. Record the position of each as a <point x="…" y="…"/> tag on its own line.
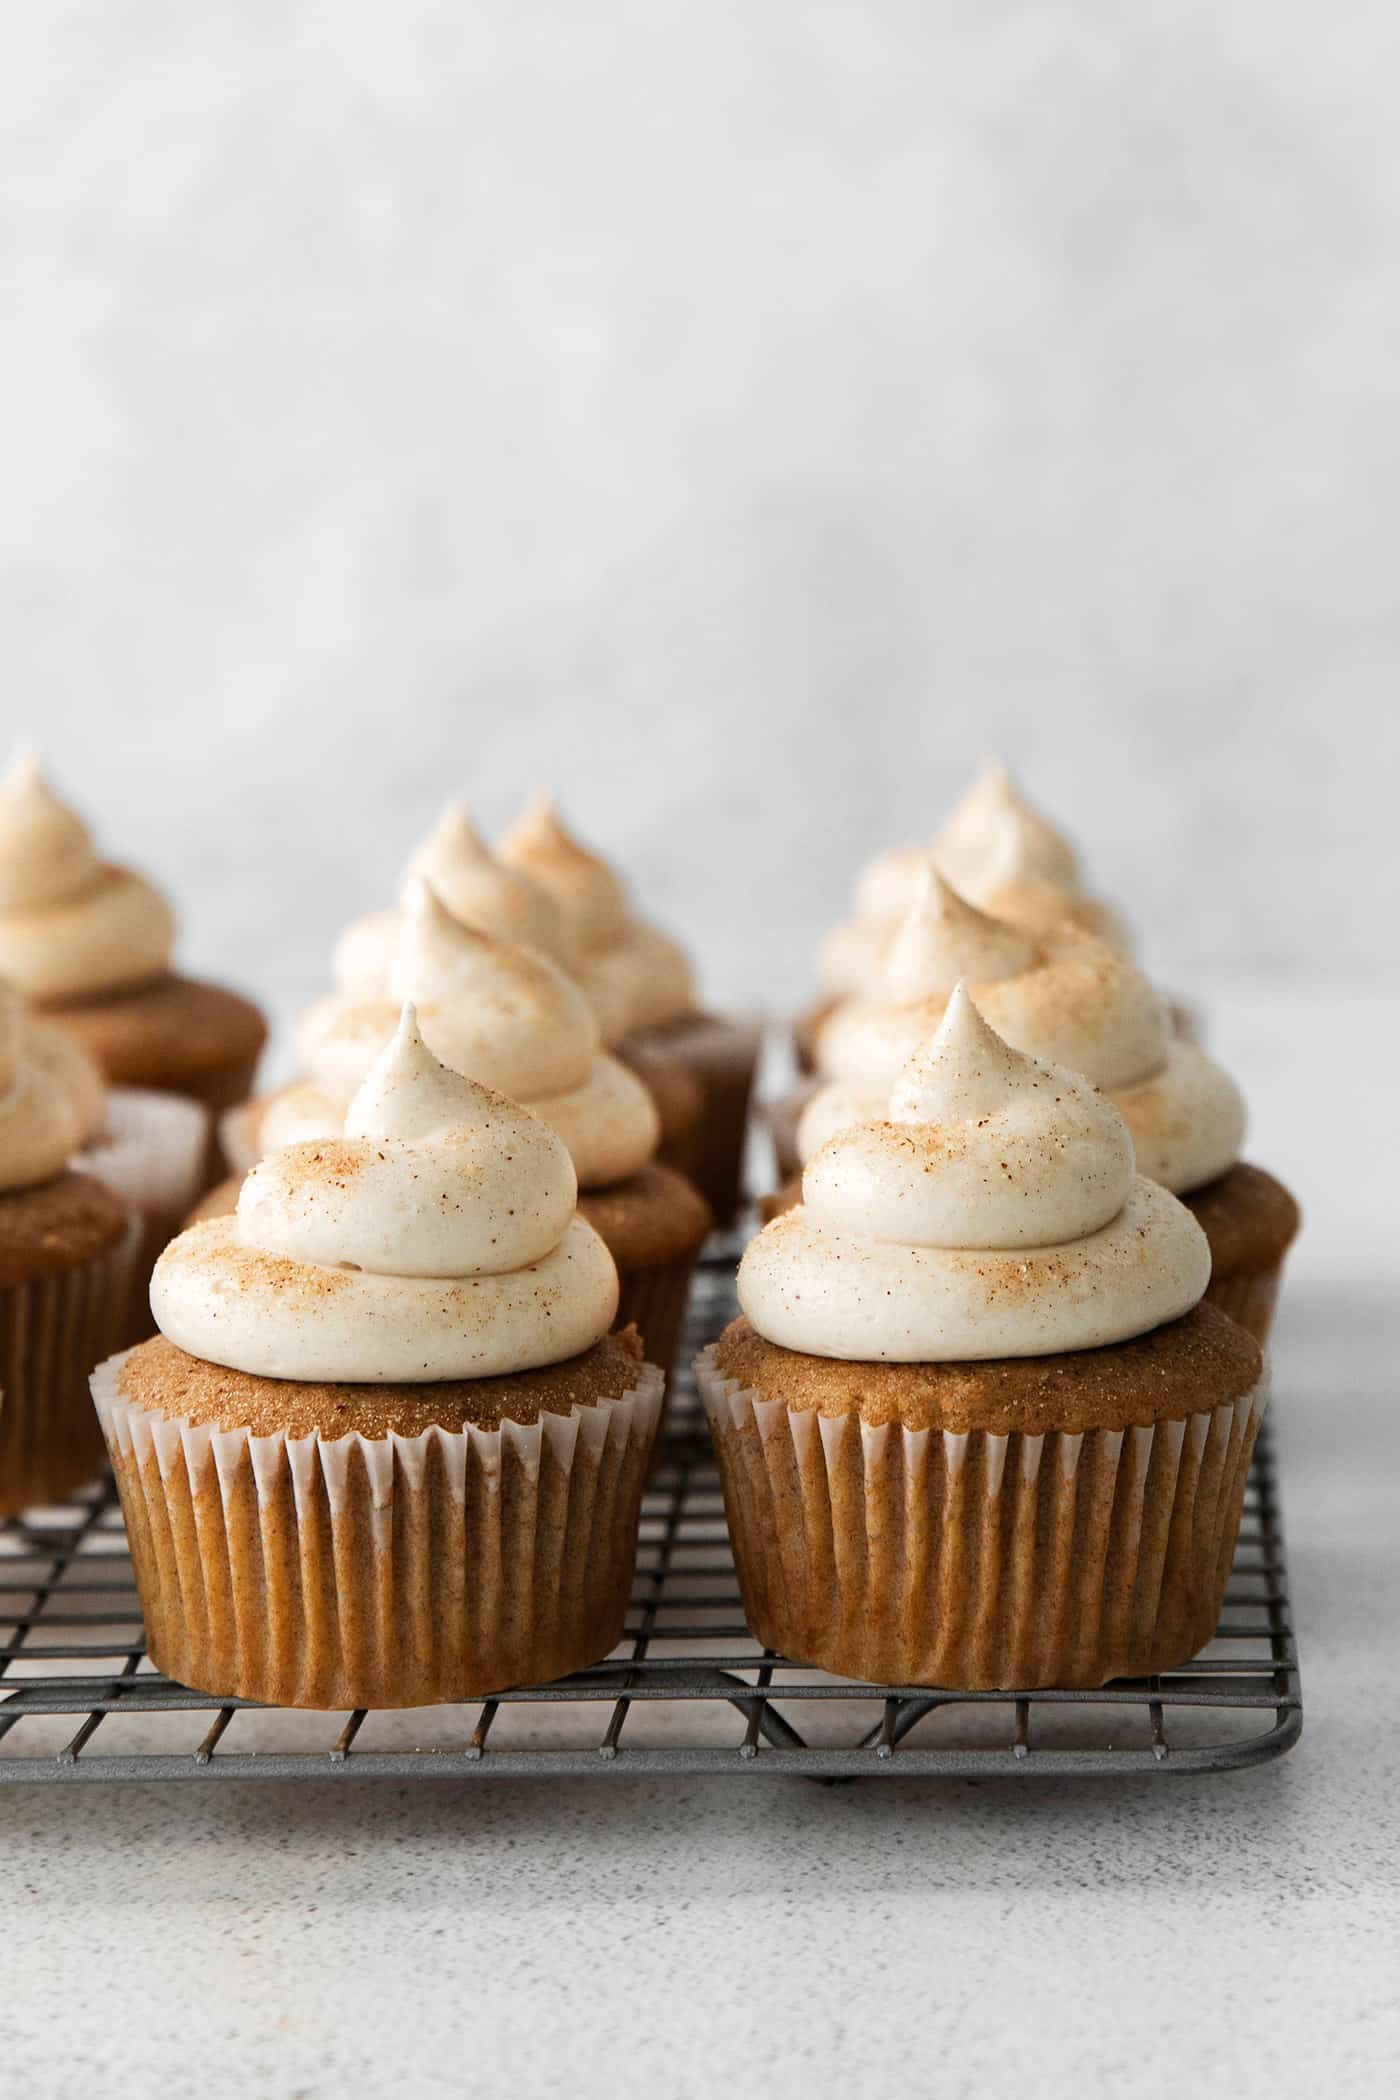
<point x="688" y="1692"/>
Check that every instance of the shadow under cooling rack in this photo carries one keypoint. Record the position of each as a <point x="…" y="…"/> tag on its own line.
<point x="688" y="1691"/>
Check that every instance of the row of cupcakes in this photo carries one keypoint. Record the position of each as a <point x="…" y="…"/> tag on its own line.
<point x="976" y="1426"/>
<point x="491" y="999"/>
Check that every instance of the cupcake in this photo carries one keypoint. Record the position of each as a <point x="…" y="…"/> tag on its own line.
<point x="642" y="981"/>
<point x="89" y="945"/>
<point x="66" y="1250"/>
<point x="1061" y="995"/>
<point x="510" y="1018"/>
<point x="975" y="1427"/>
<point x="480" y="890"/>
<point x="384" y="1450"/>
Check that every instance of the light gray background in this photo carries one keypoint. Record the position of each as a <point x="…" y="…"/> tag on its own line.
<point x="741" y="416"/>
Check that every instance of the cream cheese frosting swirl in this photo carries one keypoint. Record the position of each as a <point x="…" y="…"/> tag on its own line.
<point x="503" y="1015"/>
<point x="438" y="1238"/>
<point x="475" y="886"/>
<point x="995" y="1211"/>
<point x="636" y="976"/>
<point x="43" y="1115"/>
<point x="1055" y="993"/>
<point x="998" y="852"/>
<point x="70" y="924"/>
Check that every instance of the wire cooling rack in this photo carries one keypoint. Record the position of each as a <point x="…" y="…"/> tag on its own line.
<point x="689" y="1690"/>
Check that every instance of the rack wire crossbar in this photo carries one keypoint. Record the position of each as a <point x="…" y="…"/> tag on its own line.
<point x="689" y="1691"/>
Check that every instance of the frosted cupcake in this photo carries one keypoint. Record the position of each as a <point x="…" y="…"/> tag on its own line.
<point x="89" y="944"/>
<point x="975" y="1427"/>
<point x="482" y="892"/>
<point x="1061" y="995"/>
<point x="510" y="1018"/>
<point x="66" y="1250"/>
<point x="642" y="982"/>
<point x="383" y="1451"/>
<point x="996" y="850"/>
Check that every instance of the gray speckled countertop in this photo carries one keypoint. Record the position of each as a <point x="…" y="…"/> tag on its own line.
<point x="1233" y="1935"/>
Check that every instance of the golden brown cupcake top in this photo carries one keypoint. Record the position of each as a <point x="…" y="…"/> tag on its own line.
<point x="58" y="1226"/>
<point x="167" y="1381"/>
<point x="652" y="1217"/>
<point x="1248" y="1217"/>
<point x="1201" y="1361"/>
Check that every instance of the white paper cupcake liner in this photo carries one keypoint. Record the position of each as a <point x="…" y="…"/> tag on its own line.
<point x="153" y="1154"/>
<point x="153" y="1151"/>
<point x="396" y="1571"/>
<point x="977" y="1561"/>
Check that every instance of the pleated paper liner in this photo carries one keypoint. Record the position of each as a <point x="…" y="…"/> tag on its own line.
<point x="153" y="1155"/>
<point x="1249" y="1297"/>
<point x="395" y="1571"/>
<point x="52" y="1332"/>
<point x="978" y="1561"/>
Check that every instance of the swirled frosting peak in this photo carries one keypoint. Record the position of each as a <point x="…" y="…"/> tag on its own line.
<point x="69" y="924"/>
<point x="994" y="820"/>
<point x="475" y="886"/>
<point x="636" y="977"/>
<point x="994" y="1212"/>
<point x="480" y="889"/>
<point x="438" y="1238"/>
<point x="588" y="892"/>
<point x="943" y="939"/>
<point x="1000" y="854"/>
<point x="43" y="1115"/>
<point x="505" y="1016"/>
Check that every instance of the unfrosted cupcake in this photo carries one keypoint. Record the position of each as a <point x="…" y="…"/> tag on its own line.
<point x="510" y="1018"/>
<point x="645" y="990"/>
<point x="384" y="1451"/>
<point x="66" y="1251"/>
<point x="996" y="850"/>
<point x="89" y="944"/>
<point x="975" y="1428"/>
<point x="1061" y="995"/>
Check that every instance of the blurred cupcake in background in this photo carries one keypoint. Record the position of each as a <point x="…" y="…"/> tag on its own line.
<point x="67" y="1245"/>
<point x="89" y="945"/>
<point x="509" y="1018"/>
<point x="974" y="1426"/>
<point x="998" y="852"/>
<point x="386" y="1450"/>
<point x="644" y="989"/>
<point x="1059" y="994"/>
<point x="481" y="890"/>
